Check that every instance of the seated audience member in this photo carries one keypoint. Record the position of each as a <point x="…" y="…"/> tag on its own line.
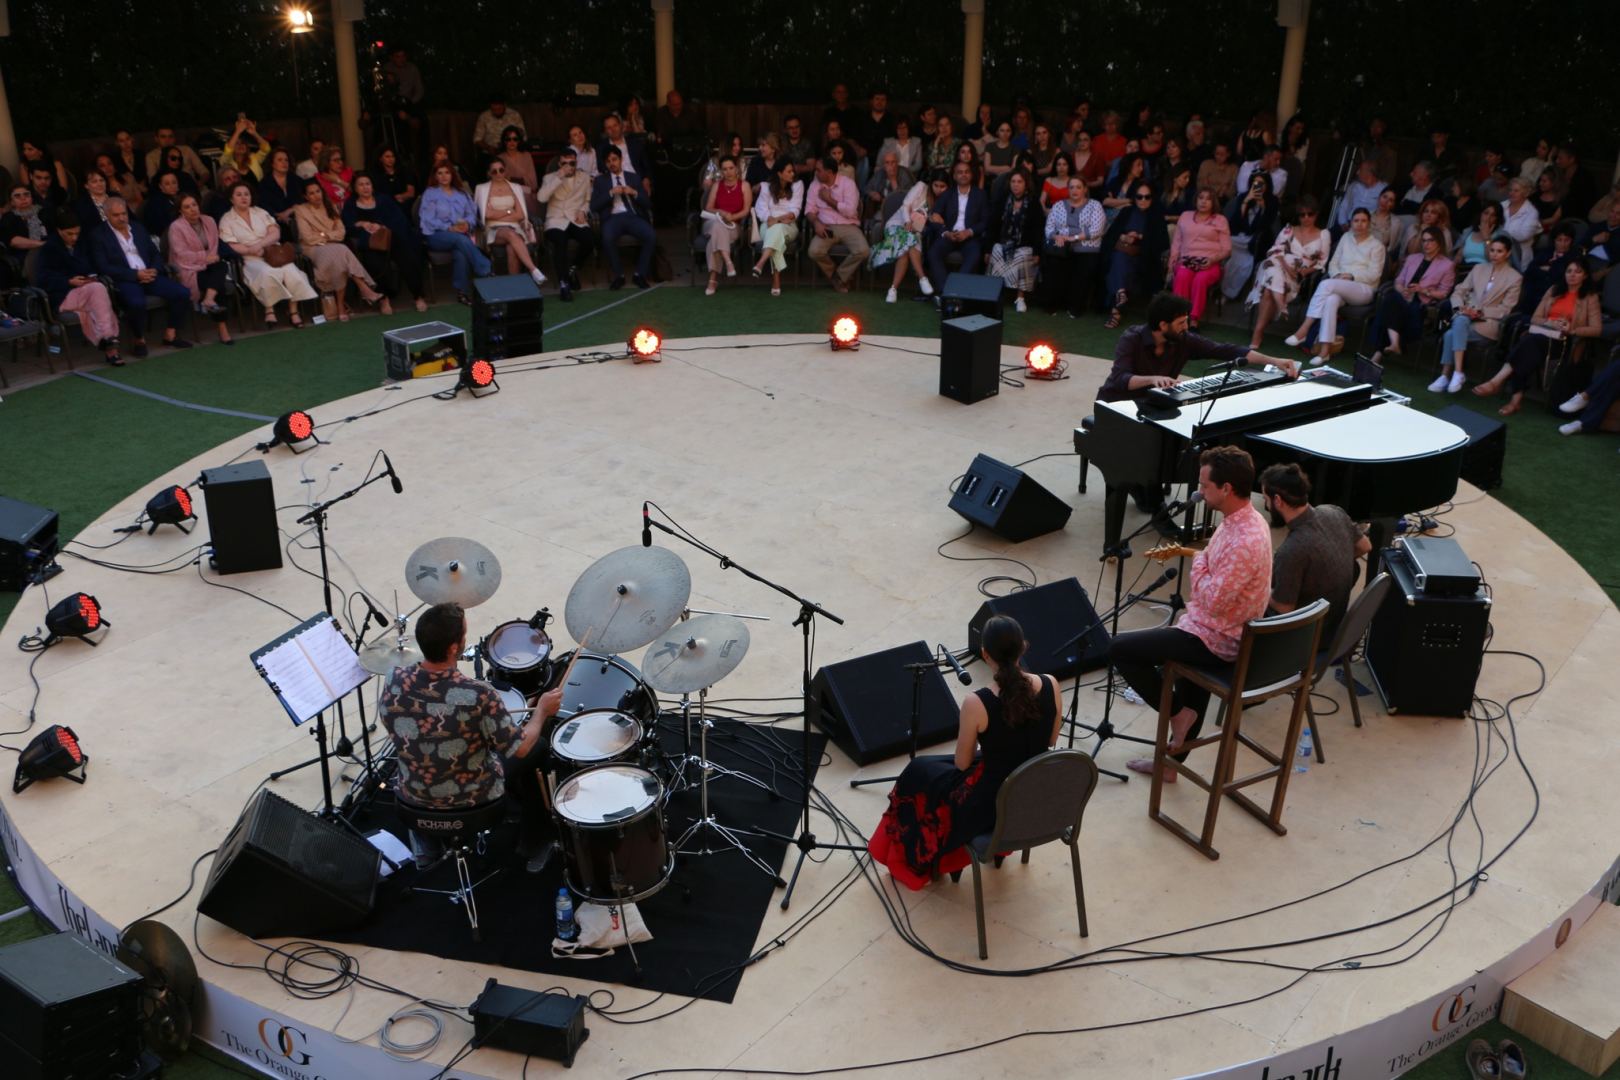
<point x="503" y="208"/>
<point x="1433" y="214"/>
<point x="1258" y="135"/>
<point x="1055" y="187"/>
<point x="1375" y="148"/>
<point x="999" y="151"/>
<point x="796" y="146"/>
<point x="1014" y="238"/>
<point x="49" y="196"/>
<point x="278" y="191"/>
<point x="1480" y="302"/>
<point x="447" y="216"/>
<point x="1417" y="191"/>
<point x="762" y="166"/>
<point x="967" y="155"/>
<point x="173" y="161"/>
<point x="1385" y="225"/>
<point x="311" y="165"/>
<point x="1600" y="209"/>
<point x="875" y="126"/>
<point x="1570" y="310"/>
<point x="983" y="129"/>
<point x="1117" y="191"/>
<point x="91" y="205"/>
<point x="566" y="194"/>
<point x="1198" y="150"/>
<point x="320" y="238"/>
<point x="941" y="150"/>
<point x="939" y="802"/>
<point x="1362" y="194"/>
<point x="249" y="231"/>
<point x="890" y="178"/>
<point x="1109" y="144"/>
<point x="158" y="159"/>
<point x="122" y="184"/>
<point x="162" y="203"/>
<point x="1072" y="246"/>
<point x="678" y="125"/>
<point x="441" y="156"/>
<point x="927" y="123"/>
<point x="245" y="150"/>
<point x="1470" y="250"/>
<point x="1520" y="220"/>
<point x="1296" y="141"/>
<point x="1492" y="156"/>
<point x="1198" y="251"/>
<point x="456" y="745"/>
<point x="1548" y="202"/>
<point x="520" y="166"/>
<point x="1423" y="281"/>
<point x="1603" y="239"/>
<point x="24" y="227"/>
<point x="634" y="117"/>
<point x="1546" y="269"/>
<point x="123" y="250"/>
<point x="1494" y="188"/>
<point x="371" y="219"/>
<point x="777" y="207"/>
<point x="1178" y="194"/>
<point x="335" y="176"/>
<point x="1573" y="181"/>
<point x="494" y="124"/>
<point x="391" y="181"/>
<point x="1088" y="165"/>
<point x="1352" y="274"/>
<point x="1590" y="406"/>
<point x="1462" y="202"/>
<point x="584" y="152"/>
<point x="1219" y="173"/>
<point x="725" y="214"/>
<point x="193" y="252"/>
<point x="1445" y="160"/>
<point x="1131" y="249"/>
<point x="957" y="224"/>
<point x="216" y="202"/>
<point x="70" y="282"/>
<point x="905" y="146"/>
<point x="130" y="161"/>
<point x="731" y="146"/>
<point x="1300" y="250"/>
<point x="1270" y="163"/>
<point x="1317" y="559"/>
<point x="839" y="153"/>
<point x="632" y="150"/>
<point x="832" y="208"/>
<point x="1042" y="151"/>
<point x="901" y="243"/>
<point x="622" y="207"/>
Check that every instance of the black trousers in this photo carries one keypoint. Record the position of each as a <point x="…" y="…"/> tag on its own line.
<point x="401" y="263"/>
<point x="1068" y="278"/>
<point x="558" y="241"/>
<point x="1526" y="359"/>
<point x="523" y="788"/>
<point x="1139" y="657"/>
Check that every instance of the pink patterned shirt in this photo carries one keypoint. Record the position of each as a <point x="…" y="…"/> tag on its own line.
<point x="1231" y="582"/>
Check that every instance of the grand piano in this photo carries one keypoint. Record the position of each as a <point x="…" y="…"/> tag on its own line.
<point x="1375" y="458"/>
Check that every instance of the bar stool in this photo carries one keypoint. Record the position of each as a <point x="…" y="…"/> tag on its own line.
<point x="464" y="832"/>
<point x="1276" y="656"/>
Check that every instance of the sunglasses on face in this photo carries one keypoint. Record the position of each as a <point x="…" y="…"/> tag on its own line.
<point x="497" y="171"/>
<point x="1143" y="197"/>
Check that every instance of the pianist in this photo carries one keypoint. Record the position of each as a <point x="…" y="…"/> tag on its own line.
<point x="1153" y="355"/>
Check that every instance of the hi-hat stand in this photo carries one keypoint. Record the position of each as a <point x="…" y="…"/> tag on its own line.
<point x="707" y="827"/>
<point x="806" y="841"/>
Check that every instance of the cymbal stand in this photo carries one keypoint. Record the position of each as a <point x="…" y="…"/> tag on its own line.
<point x="706" y="822"/>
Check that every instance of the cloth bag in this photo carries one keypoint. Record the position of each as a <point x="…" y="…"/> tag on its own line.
<point x="601" y="930"/>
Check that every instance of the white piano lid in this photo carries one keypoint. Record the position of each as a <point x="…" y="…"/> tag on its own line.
<point x="1385" y="432"/>
<point x="1232" y="406"/>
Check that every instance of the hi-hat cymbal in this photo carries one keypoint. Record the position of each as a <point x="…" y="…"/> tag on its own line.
<point x="453" y="570"/>
<point x="627" y="597"/>
<point x="382" y="657"/>
<point x="695" y="654"/>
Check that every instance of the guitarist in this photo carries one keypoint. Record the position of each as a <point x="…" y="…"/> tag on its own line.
<point x="1231" y="583"/>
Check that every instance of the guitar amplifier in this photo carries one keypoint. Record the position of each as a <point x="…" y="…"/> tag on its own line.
<point x="1425" y="650"/>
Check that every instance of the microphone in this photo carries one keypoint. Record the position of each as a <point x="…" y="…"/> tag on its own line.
<point x="373" y="613"/>
<point x="646" y="527"/>
<point x="1191" y="501"/>
<point x="961" y="674"/>
<point x="1159" y="582"/>
<point x="399" y="489"/>
<point x="540" y="618"/>
<point x="1227" y="365"/>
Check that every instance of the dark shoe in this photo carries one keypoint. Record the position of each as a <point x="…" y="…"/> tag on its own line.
<point x="228" y="341"/>
<point x="463" y="298"/>
<point x="539" y="860"/>
<point x="1483" y="1064"/>
<point x="114" y="359"/>
<point x="107" y="344"/>
<point x="641" y="282"/>
<point x="564" y="293"/>
<point x="573" y="279"/>
<point x="617" y="282"/>
<point x="178" y="343"/>
<point x="1514" y="1065"/>
<point x="138" y="350"/>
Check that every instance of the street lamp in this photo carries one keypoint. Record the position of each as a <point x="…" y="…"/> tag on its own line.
<point x="300" y="20"/>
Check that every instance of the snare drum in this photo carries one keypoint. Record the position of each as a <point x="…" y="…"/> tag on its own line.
<point x="512" y="699"/>
<point x="594" y="737"/>
<point x="611" y="829"/>
<point x="520" y="655"/>
<point x="605" y="682"/>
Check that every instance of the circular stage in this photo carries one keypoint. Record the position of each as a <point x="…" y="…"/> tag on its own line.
<point x="829" y="472"/>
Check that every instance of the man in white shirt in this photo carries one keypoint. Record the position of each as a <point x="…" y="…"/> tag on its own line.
<point x="1271" y="163"/>
<point x="123" y="251"/>
<point x="494" y="120"/>
<point x="566" y="194"/>
<point x="624" y="210"/>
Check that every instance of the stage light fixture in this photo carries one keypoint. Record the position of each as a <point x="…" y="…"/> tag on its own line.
<point x="53" y="752"/>
<point x="1041" y="362"/>
<point x="171" y="506"/>
<point x="300" y="20"/>
<point x="295" y="430"/>
<point x="846" y="333"/>
<point x="77" y="616"/>
<point x="645" y="345"/>
<point x="478" y="378"/>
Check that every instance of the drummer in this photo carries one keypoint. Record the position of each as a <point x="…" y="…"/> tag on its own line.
<point x="458" y="746"/>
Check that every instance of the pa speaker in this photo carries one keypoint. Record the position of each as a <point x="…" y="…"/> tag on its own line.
<point x="285" y="872"/>
<point x="1051" y="615"/>
<point x="1008" y="503"/>
<point x="241" y="507"/>
<point x="1487" y="445"/>
<point x="1425" y="651"/>
<point x="971" y="294"/>
<point x="864" y="704"/>
<point x="970" y="358"/>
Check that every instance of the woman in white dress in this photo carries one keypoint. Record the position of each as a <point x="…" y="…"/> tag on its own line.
<point x="1301" y="250"/>
<point x="249" y="230"/>
<point x="504" y="210"/>
<point x="902" y="235"/>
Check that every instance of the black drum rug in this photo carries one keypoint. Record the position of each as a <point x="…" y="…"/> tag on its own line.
<point x="704" y="922"/>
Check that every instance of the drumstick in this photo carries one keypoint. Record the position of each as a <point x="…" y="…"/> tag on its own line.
<point x="584" y="643"/>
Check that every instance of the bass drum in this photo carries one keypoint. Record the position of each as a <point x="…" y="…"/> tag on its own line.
<point x="611" y="825"/>
<point x="605" y="682"/>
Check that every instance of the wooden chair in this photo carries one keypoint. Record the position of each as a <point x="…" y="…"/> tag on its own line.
<point x="1276" y="656"/>
<point x="1352" y="628"/>
<point x="1042" y="801"/>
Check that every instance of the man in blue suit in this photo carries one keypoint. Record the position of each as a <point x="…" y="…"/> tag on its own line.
<point x="622" y="206"/>
<point x="123" y="251"/>
<point x="957" y="224"/>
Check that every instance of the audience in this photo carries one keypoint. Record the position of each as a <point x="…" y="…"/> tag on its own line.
<point x="1353" y="273"/>
<point x="1520" y="220"/>
<point x="193" y="252"/>
<point x="1361" y="194"/>
<point x="1301" y="250"/>
<point x="584" y="152"/>
<point x="320" y="239"/>
<point x="71" y="285"/>
<point x="1470" y="250"/>
<point x="777" y="209"/>
<point x="383" y="239"/>
<point x="495" y="124"/>
<point x="832" y="209"/>
<point x="245" y="149"/>
<point x="907" y="149"/>
<point x="942" y="148"/>
<point x="123" y="250"/>
<point x="901" y="242"/>
<point x="1270" y="163"/>
<point x="1073" y="238"/>
<point x="503" y="207"/>
<point x="1014" y="238"/>
<point x="131" y="162"/>
<point x="624" y="211"/>
<point x="446" y="216"/>
<point x="390" y="180"/>
<point x="1424" y="279"/>
<point x="957" y="224"/>
<point x="278" y="191"/>
<point x="1252" y="222"/>
<point x="1480" y="302"/>
<point x="1218" y="173"/>
<point x="335" y="176"/>
<point x="267" y="265"/>
<point x="162" y="203"/>
<point x="726" y="210"/>
<point x="1198" y="252"/>
<point x="566" y="194"/>
<point x="1136" y="240"/>
<point x="1570" y="311"/>
<point x="159" y="158"/>
<point x="26" y="226"/>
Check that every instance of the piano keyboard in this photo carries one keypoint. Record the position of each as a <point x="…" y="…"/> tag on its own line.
<point x="1205" y="387"/>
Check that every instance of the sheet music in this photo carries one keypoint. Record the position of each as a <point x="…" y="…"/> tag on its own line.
<point x="311" y="667"/>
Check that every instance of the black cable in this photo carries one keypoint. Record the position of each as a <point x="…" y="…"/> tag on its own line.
<point x="1018" y="584"/>
<point x="191" y="883"/>
<point x="245" y="592"/>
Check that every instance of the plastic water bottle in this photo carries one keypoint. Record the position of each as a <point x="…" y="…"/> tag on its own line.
<point x="567" y="928"/>
<point x="1306" y="751"/>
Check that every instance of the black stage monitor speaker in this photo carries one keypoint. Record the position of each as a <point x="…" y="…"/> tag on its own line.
<point x="970" y="294"/>
<point x="285" y="872"/>
<point x="506" y="314"/>
<point x="1425" y="651"/>
<point x="241" y="507"/>
<point x="67" y="1009"/>
<point x="1487" y="445"/>
<point x="865" y="704"/>
<point x="27" y="542"/>
<point x="970" y="358"/>
<point x="1008" y="503"/>
<point x="1050" y="615"/>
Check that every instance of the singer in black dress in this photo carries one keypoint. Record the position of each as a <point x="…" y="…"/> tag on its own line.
<point x="941" y="802"/>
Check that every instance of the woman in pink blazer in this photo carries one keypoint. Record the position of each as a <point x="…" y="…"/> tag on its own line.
<point x="1425" y="279"/>
<point x="1202" y="243"/>
<point x="193" y="251"/>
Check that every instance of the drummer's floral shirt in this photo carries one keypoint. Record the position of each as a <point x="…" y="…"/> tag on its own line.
<point x="451" y="732"/>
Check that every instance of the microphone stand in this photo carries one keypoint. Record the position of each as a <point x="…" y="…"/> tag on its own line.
<point x="916" y="670"/>
<point x="806" y="840"/>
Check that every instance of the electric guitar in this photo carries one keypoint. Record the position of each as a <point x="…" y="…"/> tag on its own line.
<point x="1166" y="551"/>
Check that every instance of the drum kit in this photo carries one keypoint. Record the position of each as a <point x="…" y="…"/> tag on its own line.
<point x="608" y="780"/>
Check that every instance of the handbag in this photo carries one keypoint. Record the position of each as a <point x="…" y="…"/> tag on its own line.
<point x="279" y="255"/>
<point x="1132" y="248"/>
<point x="380" y="239"/>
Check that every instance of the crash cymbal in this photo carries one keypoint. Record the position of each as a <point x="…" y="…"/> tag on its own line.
<point x="382" y="657"/>
<point x="695" y="654"/>
<point x="453" y="570"/>
<point x="629" y="597"/>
